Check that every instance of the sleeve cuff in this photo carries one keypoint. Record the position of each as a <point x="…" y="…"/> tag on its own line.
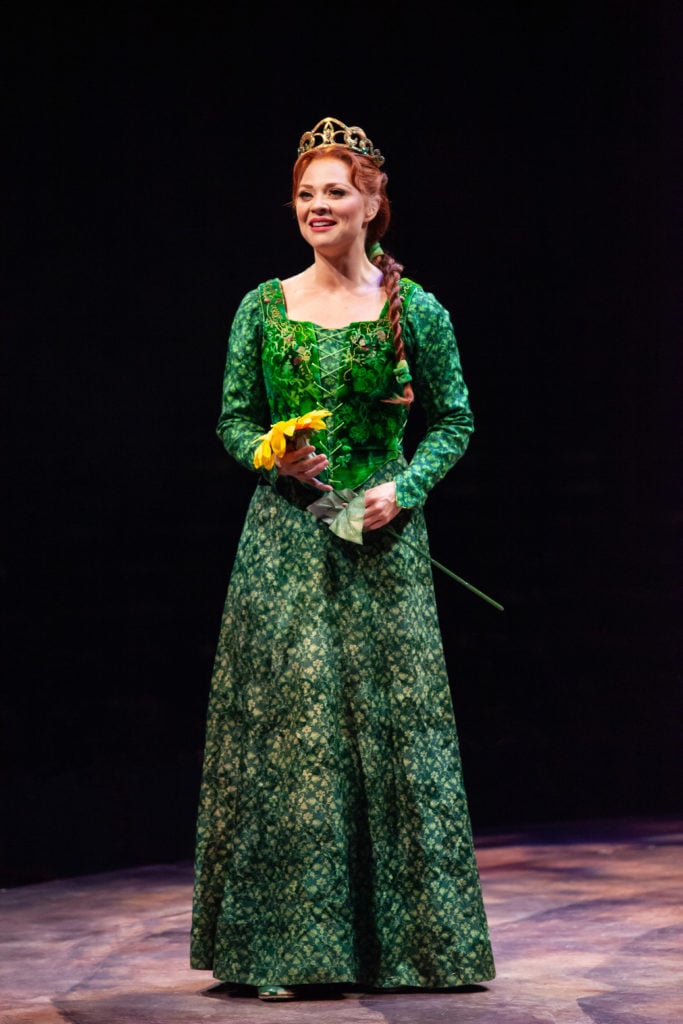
<point x="408" y="494"/>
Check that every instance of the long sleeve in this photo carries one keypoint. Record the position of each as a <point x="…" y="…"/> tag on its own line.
<point x="244" y="412"/>
<point x="440" y="389"/>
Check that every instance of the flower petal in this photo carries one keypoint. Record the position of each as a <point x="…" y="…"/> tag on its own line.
<point x="287" y="427"/>
<point x="263" y="456"/>
<point x="313" y="420"/>
<point x="278" y="440"/>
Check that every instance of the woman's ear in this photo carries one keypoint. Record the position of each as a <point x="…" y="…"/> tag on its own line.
<point x="371" y="208"/>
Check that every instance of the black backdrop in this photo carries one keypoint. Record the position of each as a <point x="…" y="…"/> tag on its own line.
<point x="532" y="154"/>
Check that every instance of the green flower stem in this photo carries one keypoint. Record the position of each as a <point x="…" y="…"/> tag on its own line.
<point x="443" y="568"/>
<point x="356" y="537"/>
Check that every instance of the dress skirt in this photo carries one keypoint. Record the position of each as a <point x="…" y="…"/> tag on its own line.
<point x="333" y="838"/>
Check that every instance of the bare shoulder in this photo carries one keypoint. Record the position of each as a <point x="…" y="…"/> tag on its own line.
<point x="297" y="285"/>
<point x="301" y="296"/>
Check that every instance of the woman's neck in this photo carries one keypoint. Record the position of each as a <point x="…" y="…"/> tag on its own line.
<point x="350" y="274"/>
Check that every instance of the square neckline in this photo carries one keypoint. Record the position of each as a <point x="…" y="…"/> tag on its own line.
<point x="319" y="327"/>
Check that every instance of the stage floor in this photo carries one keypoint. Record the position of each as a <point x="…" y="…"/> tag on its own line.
<point x="586" y="923"/>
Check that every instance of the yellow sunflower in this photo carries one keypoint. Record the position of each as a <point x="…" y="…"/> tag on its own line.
<point x="274" y="443"/>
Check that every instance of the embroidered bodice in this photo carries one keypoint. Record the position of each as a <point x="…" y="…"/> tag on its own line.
<point x="278" y="368"/>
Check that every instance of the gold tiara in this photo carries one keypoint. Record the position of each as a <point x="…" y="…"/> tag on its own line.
<point x="326" y="134"/>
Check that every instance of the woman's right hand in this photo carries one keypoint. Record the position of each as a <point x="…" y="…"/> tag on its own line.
<point x="304" y="465"/>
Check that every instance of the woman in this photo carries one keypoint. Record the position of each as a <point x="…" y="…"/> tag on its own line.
<point x="334" y="841"/>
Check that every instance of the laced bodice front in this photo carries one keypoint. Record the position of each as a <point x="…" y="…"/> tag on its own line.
<point x="278" y="368"/>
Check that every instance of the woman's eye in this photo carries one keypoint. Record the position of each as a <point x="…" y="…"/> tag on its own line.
<point x="304" y="195"/>
<point x="337" y="192"/>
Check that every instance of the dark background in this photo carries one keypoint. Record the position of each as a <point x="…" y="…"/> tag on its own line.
<point x="532" y="153"/>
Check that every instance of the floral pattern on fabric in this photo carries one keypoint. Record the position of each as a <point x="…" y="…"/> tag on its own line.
<point x="333" y="835"/>
<point x="279" y="368"/>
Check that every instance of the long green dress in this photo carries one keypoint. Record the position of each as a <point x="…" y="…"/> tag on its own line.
<point x="334" y="841"/>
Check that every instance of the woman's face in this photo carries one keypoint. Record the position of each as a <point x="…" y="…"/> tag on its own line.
<point x="332" y="213"/>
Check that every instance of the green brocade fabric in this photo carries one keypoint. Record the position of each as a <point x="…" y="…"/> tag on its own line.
<point x="281" y="368"/>
<point x="334" y="841"/>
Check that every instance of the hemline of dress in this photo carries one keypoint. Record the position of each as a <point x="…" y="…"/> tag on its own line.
<point x="472" y="978"/>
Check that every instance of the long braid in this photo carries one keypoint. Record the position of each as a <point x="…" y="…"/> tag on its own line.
<point x="391" y="273"/>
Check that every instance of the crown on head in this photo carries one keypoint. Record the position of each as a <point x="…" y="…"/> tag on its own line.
<point x="331" y="132"/>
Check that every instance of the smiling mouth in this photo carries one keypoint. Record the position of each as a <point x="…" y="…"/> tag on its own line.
<point x="321" y="223"/>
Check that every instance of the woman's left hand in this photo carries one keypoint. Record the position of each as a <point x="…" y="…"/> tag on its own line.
<point x="380" y="506"/>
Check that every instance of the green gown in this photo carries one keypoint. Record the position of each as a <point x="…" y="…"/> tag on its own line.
<point x="334" y="841"/>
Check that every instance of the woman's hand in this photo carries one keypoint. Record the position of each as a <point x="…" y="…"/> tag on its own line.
<point x="380" y="506"/>
<point x="304" y="465"/>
